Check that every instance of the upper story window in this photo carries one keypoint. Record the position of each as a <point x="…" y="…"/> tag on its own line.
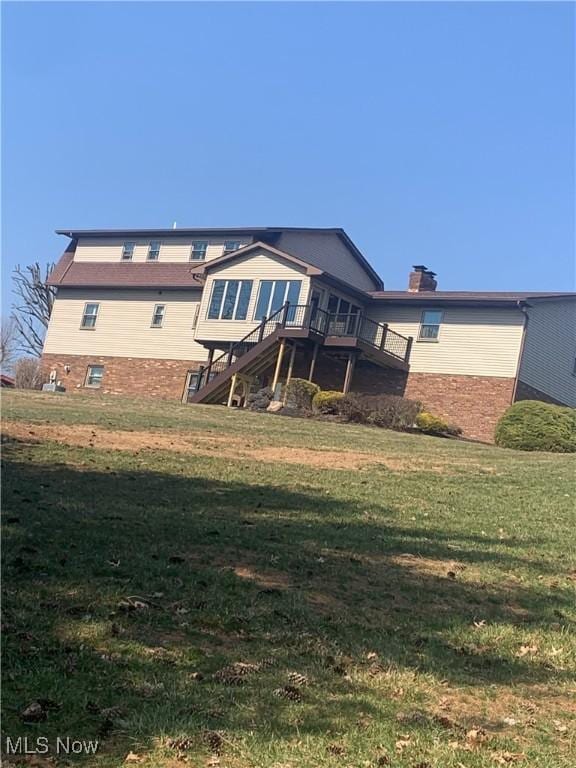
<point x="154" y="250"/>
<point x="128" y="251"/>
<point x="158" y="315"/>
<point x="430" y="325"/>
<point x="199" y="248"/>
<point x="273" y="294"/>
<point x="230" y="299"/>
<point x="94" y="376"/>
<point x="231" y="245"/>
<point x="89" y="315"/>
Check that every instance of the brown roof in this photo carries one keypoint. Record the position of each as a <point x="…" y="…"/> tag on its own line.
<point x="478" y="298"/>
<point x="68" y="273"/>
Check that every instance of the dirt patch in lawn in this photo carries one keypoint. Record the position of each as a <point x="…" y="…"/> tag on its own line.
<point x="203" y="444"/>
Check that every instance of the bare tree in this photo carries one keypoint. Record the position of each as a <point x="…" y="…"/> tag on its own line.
<point x="8" y="342"/>
<point x="35" y="299"/>
<point x="27" y="373"/>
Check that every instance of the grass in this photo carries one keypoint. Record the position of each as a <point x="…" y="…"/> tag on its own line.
<point x="423" y="589"/>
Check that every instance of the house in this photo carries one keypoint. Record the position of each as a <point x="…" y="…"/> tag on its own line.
<point x="6" y="381"/>
<point x="203" y="315"/>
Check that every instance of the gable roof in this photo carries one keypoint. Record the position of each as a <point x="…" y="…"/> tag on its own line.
<point x="268" y="235"/>
<point x="241" y="252"/>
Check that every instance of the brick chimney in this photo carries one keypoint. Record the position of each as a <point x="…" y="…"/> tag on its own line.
<point x="421" y="279"/>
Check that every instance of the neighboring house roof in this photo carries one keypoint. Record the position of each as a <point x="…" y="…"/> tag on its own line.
<point x="6" y="381"/>
<point x="264" y="234"/>
<point x="468" y="298"/>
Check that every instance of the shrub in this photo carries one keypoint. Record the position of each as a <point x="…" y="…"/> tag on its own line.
<point x="389" y="411"/>
<point x="28" y="373"/>
<point x="300" y="393"/>
<point x="432" y="425"/>
<point x="326" y="402"/>
<point x="534" y="426"/>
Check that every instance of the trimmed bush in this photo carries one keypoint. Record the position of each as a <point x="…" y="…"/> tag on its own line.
<point x="534" y="426"/>
<point x="326" y="402"/>
<point x="388" y="411"/>
<point x="300" y="393"/>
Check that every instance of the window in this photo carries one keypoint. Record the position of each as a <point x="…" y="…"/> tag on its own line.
<point x="158" y="315"/>
<point x="231" y="245"/>
<point x="430" y="325"/>
<point x="274" y="294"/>
<point x="90" y="315"/>
<point x="344" y="318"/>
<point x="199" y="248"/>
<point x="154" y="250"/>
<point x="94" y="376"/>
<point x="230" y="299"/>
<point x="574" y="368"/>
<point x="128" y="251"/>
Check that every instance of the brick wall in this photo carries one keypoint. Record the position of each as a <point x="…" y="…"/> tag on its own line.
<point x="122" y="375"/>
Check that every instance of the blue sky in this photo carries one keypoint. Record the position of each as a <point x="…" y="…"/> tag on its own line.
<point x="433" y="133"/>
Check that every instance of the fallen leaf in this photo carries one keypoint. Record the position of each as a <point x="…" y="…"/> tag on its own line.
<point x="527" y="650"/>
<point x="132" y="757"/>
<point x="504" y="758"/>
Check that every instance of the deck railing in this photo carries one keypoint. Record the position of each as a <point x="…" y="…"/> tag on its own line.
<point x="356" y="325"/>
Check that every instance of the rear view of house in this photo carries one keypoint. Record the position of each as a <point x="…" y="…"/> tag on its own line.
<point x="207" y="315"/>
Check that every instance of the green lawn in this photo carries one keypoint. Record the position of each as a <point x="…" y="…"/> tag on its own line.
<point x="202" y="587"/>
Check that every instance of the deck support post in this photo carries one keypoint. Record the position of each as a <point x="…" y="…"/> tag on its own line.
<point x="232" y="389"/>
<point x="313" y="362"/>
<point x="349" y="372"/>
<point x="290" y="369"/>
<point x="278" y="364"/>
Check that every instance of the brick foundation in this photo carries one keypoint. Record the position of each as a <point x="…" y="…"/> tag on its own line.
<point x="147" y="377"/>
<point x="474" y="403"/>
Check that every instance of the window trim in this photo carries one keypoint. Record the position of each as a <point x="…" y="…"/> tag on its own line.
<point x="205" y="251"/>
<point x="435" y="339"/>
<point x="162" y="316"/>
<point x="148" y="258"/>
<point x="88" y="375"/>
<point x="226" y="281"/>
<point x="131" y="257"/>
<point x="286" y="292"/>
<point x="84" y="327"/>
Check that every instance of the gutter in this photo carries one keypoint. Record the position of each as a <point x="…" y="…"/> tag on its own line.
<point x="523" y="307"/>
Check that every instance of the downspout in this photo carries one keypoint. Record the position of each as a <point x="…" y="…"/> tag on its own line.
<point x="522" y="307"/>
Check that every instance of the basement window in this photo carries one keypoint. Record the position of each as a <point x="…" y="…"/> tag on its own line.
<point x="128" y="251"/>
<point x="158" y="315"/>
<point x="430" y="325"/>
<point x="94" y="375"/>
<point x="89" y="316"/>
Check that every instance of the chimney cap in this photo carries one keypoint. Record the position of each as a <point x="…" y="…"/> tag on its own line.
<point x="422" y="268"/>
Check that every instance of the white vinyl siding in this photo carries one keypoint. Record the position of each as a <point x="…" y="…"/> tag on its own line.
<point x="550" y="350"/>
<point x="174" y="248"/>
<point x="327" y="251"/>
<point x="123" y="327"/>
<point x="472" y="342"/>
<point x="256" y="267"/>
